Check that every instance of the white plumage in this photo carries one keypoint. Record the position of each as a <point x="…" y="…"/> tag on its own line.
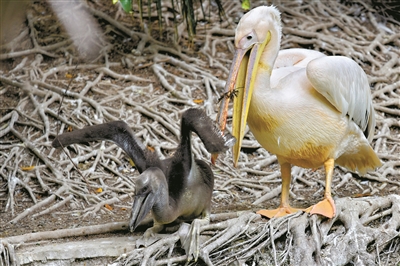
<point x="307" y="108"/>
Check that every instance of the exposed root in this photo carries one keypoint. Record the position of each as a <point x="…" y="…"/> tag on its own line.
<point x="148" y="80"/>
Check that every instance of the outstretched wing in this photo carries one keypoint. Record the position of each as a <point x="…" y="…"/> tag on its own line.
<point x="116" y="131"/>
<point x="345" y="85"/>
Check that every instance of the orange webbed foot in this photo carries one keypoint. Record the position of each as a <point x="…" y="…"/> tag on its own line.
<point x="325" y="207"/>
<point x="279" y="212"/>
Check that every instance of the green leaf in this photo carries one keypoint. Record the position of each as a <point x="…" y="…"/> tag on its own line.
<point x="126" y="5"/>
<point x="246" y="4"/>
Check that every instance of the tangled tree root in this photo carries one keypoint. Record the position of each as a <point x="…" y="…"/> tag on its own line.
<point x="359" y="234"/>
<point x="366" y="231"/>
<point x="141" y="80"/>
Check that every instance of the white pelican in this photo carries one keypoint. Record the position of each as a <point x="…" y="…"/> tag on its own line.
<point x="307" y="108"/>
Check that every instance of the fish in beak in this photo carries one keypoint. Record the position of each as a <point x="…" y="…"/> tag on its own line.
<point x="240" y="86"/>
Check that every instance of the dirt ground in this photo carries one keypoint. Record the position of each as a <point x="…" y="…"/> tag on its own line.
<point x="144" y="77"/>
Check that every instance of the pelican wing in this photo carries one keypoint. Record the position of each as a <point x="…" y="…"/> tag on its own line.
<point x="345" y="85"/>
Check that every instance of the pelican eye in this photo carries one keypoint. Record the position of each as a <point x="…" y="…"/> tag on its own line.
<point x="142" y="191"/>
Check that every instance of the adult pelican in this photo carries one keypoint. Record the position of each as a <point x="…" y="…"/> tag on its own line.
<point x="309" y="109"/>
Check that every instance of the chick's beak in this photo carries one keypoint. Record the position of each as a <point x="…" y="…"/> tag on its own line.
<point x="142" y="205"/>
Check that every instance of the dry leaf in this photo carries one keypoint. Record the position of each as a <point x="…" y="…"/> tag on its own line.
<point x="83" y="166"/>
<point x="150" y="148"/>
<point x="27" y="168"/>
<point x="361" y="195"/>
<point x="198" y="101"/>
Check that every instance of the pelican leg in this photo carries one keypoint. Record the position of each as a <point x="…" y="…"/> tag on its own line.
<point x="149" y="236"/>
<point x="152" y="231"/>
<point x="190" y="238"/>
<point x="284" y="207"/>
<point x="326" y="207"/>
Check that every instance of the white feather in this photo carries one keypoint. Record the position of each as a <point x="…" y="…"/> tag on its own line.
<point x="345" y="85"/>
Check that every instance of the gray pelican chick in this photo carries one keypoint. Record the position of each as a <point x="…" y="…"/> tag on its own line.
<point x="178" y="188"/>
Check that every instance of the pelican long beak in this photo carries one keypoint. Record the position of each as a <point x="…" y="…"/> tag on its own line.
<point x="141" y="207"/>
<point x="240" y="86"/>
<point x="237" y="66"/>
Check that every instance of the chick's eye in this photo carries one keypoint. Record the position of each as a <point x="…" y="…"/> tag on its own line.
<point x="249" y="37"/>
<point x="142" y="190"/>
